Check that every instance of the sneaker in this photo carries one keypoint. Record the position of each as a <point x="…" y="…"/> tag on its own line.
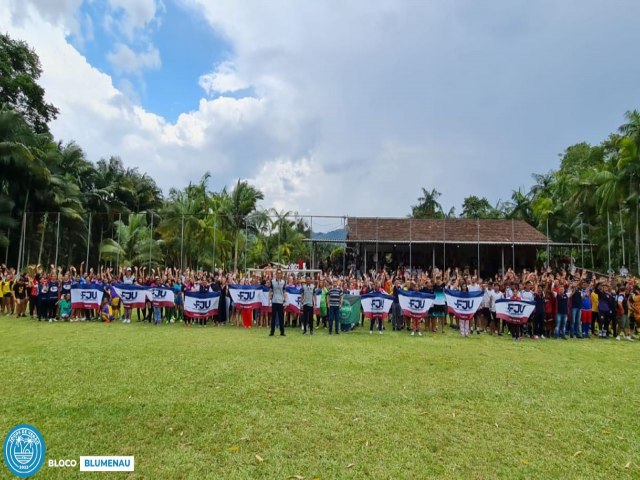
<point x="50" y="320"/>
<point x="413" y="333"/>
<point x="419" y="334"/>
<point x="628" y="338"/>
<point x="380" y="332"/>
<point x="542" y="337"/>
<point x="311" y="332"/>
<point x="535" y="337"/>
<point x="282" y="335"/>
<point x="618" y="338"/>
<point x="563" y="337"/>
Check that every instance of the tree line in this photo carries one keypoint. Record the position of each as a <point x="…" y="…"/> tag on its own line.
<point x="108" y="212"/>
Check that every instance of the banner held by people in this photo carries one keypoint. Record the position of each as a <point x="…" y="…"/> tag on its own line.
<point x="463" y="305"/>
<point x="163" y="297"/>
<point x="293" y="301"/>
<point x="246" y="297"/>
<point x="201" y="305"/>
<point x="266" y="299"/>
<point x="514" y="311"/>
<point x="350" y="310"/>
<point x="86" y="296"/>
<point x="132" y="296"/>
<point x="376" y="305"/>
<point x="415" y="304"/>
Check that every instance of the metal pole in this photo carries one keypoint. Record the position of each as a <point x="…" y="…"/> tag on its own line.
<point x="182" y="245"/>
<point x="119" y="246"/>
<point x="513" y="245"/>
<point x="6" y="250"/>
<point x="344" y="250"/>
<point x="55" y="262"/>
<point x="410" y="249"/>
<point x="88" y="242"/>
<point x="246" y="240"/>
<point x="444" y="246"/>
<point x="548" y="248"/>
<point x="609" y="242"/>
<point x="377" y="245"/>
<point x="311" y="243"/>
<point x="215" y="227"/>
<point x="581" y="243"/>
<point x="478" y="224"/>
<point x="502" y="260"/>
<point x="365" y="260"/>
<point x="150" y="241"/>
<point x="622" y="238"/>
<point x="23" y="229"/>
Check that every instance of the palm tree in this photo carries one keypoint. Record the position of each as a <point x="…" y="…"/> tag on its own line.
<point x="133" y="244"/>
<point x="241" y="202"/>
<point x="428" y="206"/>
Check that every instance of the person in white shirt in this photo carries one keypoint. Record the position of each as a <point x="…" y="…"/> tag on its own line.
<point x="494" y="324"/>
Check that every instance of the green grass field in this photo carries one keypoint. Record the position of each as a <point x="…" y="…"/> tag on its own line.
<point x="232" y="403"/>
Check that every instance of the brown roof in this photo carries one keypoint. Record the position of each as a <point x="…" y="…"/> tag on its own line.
<point x="451" y="230"/>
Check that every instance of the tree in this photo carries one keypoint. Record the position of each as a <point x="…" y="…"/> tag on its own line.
<point x="428" y="206"/>
<point x="134" y="243"/>
<point x="475" y="207"/>
<point x="19" y="71"/>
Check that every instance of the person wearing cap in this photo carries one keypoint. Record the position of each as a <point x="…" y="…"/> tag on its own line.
<point x="308" y="302"/>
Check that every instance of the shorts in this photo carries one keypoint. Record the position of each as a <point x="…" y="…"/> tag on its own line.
<point x="623" y="321"/>
<point x="7" y="295"/>
<point x="438" y="311"/>
<point x="485" y="312"/>
<point x="585" y="317"/>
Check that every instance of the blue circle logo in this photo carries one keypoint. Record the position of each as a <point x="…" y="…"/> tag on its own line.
<point x="24" y="451"/>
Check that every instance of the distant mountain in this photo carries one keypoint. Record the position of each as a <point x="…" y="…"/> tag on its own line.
<point x="339" y="235"/>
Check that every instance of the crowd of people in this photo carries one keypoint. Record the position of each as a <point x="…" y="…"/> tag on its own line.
<point x="568" y="303"/>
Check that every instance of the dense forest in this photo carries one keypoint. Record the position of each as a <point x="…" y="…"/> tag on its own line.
<point x="58" y="206"/>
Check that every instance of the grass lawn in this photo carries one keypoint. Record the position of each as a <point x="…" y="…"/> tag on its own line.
<point x="232" y="403"/>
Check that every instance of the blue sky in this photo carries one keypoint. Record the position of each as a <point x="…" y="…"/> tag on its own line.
<point x="336" y="107"/>
<point x="188" y="48"/>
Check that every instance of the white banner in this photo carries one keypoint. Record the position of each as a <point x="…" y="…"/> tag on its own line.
<point x="463" y="305"/>
<point x="132" y="296"/>
<point x="514" y="311"/>
<point x="246" y="296"/>
<point x="266" y="299"/>
<point x="163" y="297"/>
<point x="376" y="304"/>
<point x="415" y="304"/>
<point x="86" y="296"/>
<point x="201" y="305"/>
<point x="293" y="302"/>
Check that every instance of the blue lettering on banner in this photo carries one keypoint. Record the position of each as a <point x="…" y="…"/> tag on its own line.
<point x="464" y="304"/>
<point x="515" y="308"/>
<point x="246" y="296"/>
<point x="159" y="293"/>
<point x="128" y="295"/>
<point x="202" y="304"/>
<point x="377" y="304"/>
<point x="416" y="304"/>
<point x="88" y="295"/>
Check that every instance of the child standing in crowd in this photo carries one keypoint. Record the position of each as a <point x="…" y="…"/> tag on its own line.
<point x="623" y="314"/>
<point x="64" y="306"/>
<point x="538" y="313"/>
<point x="587" y="311"/>
<point x="561" y="316"/>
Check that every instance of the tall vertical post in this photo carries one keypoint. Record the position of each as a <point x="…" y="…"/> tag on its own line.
<point x="213" y="252"/>
<point x="6" y="249"/>
<point x="581" y="243"/>
<point x="624" y="262"/>
<point x="246" y="241"/>
<point x="182" y="245"/>
<point x="88" y="242"/>
<point x="609" y="242"/>
<point x="444" y="246"/>
<point x="150" y="241"/>
<point x="410" y="248"/>
<point x="311" y="259"/>
<point x="502" y="248"/>
<point x="513" y="245"/>
<point x="377" y="259"/>
<point x="119" y="246"/>
<point x="344" y="250"/>
<point x="478" y="225"/>
<point x="23" y="229"/>
<point x="55" y="262"/>
<point x="548" y="247"/>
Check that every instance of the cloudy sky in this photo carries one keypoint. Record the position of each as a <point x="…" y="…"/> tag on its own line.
<point x="336" y="107"/>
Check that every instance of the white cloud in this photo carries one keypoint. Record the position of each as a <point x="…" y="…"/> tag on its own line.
<point x="124" y="60"/>
<point x="356" y="109"/>
<point x="224" y="79"/>
<point x="135" y="14"/>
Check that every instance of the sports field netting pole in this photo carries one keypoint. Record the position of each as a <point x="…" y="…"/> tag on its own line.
<point x="119" y="247"/>
<point x="478" y="225"/>
<point x="344" y="250"/>
<point x="150" y="241"/>
<point x="376" y="244"/>
<point x="502" y="248"/>
<point x="609" y="242"/>
<point x="444" y="246"/>
<point x="55" y="262"/>
<point x="311" y="259"/>
<point x="21" y="245"/>
<point x="246" y="240"/>
<point x="581" y="243"/>
<point x="548" y="249"/>
<point x="622" y="237"/>
<point x="182" y="245"/>
<point x="410" y="249"/>
<point x="88" y="241"/>
<point x="6" y="249"/>
<point x="513" y="246"/>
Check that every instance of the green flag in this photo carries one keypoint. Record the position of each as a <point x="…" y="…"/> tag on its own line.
<point x="350" y="311"/>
